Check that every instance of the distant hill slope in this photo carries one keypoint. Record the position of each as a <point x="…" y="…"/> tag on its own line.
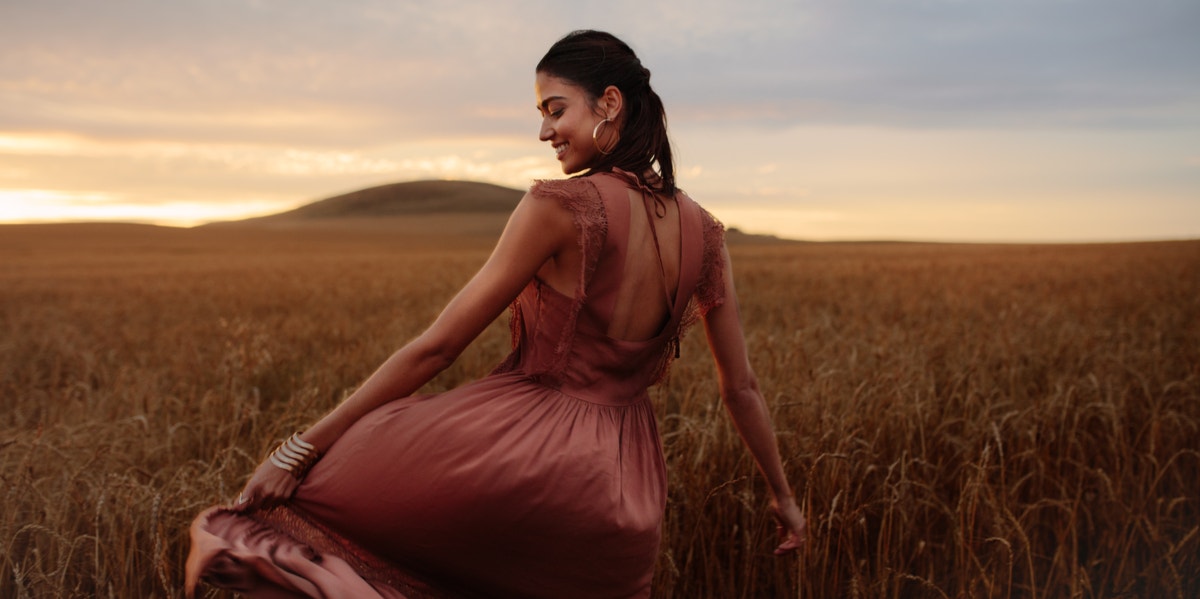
<point x="411" y="198"/>
<point x="420" y="208"/>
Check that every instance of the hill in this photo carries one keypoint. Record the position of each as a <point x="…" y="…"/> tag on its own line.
<point x="422" y="209"/>
<point x="405" y="199"/>
<point x="417" y="210"/>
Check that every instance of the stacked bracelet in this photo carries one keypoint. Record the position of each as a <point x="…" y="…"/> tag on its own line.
<point x="295" y="455"/>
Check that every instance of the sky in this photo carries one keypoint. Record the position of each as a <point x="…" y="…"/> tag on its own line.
<point x="934" y="120"/>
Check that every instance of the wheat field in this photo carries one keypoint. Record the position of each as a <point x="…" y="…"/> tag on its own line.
<point x="958" y="420"/>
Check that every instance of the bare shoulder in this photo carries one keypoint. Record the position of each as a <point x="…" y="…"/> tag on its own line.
<point x="551" y="212"/>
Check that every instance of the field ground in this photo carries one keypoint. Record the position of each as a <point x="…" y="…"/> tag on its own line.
<point x="959" y="420"/>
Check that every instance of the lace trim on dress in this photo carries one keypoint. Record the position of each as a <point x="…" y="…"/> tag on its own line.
<point x="581" y="198"/>
<point x="287" y="520"/>
<point x="710" y="289"/>
<point x="710" y="292"/>
<point x="280" y="549"/>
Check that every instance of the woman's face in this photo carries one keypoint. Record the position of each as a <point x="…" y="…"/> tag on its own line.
<point x="568" y="119"/>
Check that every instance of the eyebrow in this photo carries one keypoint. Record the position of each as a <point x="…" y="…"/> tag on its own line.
<point x="545" y="105"/>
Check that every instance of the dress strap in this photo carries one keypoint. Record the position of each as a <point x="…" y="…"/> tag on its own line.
<point x="615" y="185"/>
<point x="691" y="257"/>
<point x="652" y="216"/>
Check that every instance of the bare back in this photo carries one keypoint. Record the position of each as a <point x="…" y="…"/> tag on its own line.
<point x="643" y="289"/>
<point x="644" y="301"/>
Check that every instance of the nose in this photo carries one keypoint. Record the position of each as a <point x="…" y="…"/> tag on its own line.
<point x="547" y="132"/>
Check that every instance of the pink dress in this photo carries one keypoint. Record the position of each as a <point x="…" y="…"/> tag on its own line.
<point x="543" y="479"/>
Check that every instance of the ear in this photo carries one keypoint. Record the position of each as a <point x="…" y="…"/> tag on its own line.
<point x="610" y="102"/>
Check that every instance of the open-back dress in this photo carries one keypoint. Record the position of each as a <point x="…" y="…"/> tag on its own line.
<point x="543" y="479"/>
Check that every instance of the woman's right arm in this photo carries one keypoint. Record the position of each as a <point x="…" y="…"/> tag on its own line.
<point x="538" y="230"/>
<point x="748" y="409"/>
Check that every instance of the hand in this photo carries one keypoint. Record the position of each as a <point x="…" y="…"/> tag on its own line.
<point x="793" y="529"/>
<point x="270" y="485"/>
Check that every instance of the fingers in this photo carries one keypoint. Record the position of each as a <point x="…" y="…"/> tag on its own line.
<point x="245" y="501"/>
<point x="787" y="547"/>
<point x="791" y="541"/>
<point x="257" y="496"/>
<point x="242" y="504"/>
<point x="792" y="528"/>
<point x="248" y="500"/>
<point x="267" y="487"/>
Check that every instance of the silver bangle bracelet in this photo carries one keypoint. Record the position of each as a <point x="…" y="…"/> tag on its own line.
<point x="278" y="464"/>
<point x="290" y="454"/>
<point x="304" y="445"/>
<point x="295" y="456"/>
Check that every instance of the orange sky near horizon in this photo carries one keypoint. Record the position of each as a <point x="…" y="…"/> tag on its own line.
<point x="944" y="121"/>
<point x="959" y="187"/>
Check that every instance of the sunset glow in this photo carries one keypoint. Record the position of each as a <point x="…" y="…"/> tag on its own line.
<point x="45" y="206"/>
<point x="849" y="120"/>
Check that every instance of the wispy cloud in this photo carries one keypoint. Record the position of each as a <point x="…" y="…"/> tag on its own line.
<point x="256" y="102"/>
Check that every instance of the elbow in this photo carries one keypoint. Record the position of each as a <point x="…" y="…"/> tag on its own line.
<point x="742" y="391"/>
<point x="442" y="360"/>
<point x="435" y="354"/>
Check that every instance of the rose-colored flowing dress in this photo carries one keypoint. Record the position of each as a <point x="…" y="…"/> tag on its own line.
<point x="543" y="479"/>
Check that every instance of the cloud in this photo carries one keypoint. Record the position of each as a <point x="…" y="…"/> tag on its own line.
<point x="829" y="104"/>
<point x="336" y="72"/>
<point x="942" y="63"/>
<point x="367" y="72"/>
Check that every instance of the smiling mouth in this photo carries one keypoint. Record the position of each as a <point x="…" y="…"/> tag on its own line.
<point x="559" y="150"/>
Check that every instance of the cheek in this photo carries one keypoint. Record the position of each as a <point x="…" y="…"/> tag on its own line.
<point x="582" y="128"/>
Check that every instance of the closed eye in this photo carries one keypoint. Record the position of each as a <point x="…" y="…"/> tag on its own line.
<point x="544" y="106"/>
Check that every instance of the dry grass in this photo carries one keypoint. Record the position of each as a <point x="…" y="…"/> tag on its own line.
<point x="961" y="421"/>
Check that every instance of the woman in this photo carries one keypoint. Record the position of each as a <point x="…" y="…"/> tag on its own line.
<point x="545" y="478"/>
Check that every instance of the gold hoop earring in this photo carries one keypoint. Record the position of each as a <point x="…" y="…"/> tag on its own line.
<point x="596" y="141"/>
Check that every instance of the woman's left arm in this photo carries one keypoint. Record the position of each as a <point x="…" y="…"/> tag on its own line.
<point x="538" y="230"/>
<point x="748" y="409"/>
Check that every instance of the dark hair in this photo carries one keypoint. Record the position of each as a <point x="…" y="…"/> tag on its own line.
<point x="595" y="60"/>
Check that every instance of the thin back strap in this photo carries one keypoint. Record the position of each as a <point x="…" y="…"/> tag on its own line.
<point x="691" y="258"/>
<point x="615" y="185"/>
<point x="651" y="217"/>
